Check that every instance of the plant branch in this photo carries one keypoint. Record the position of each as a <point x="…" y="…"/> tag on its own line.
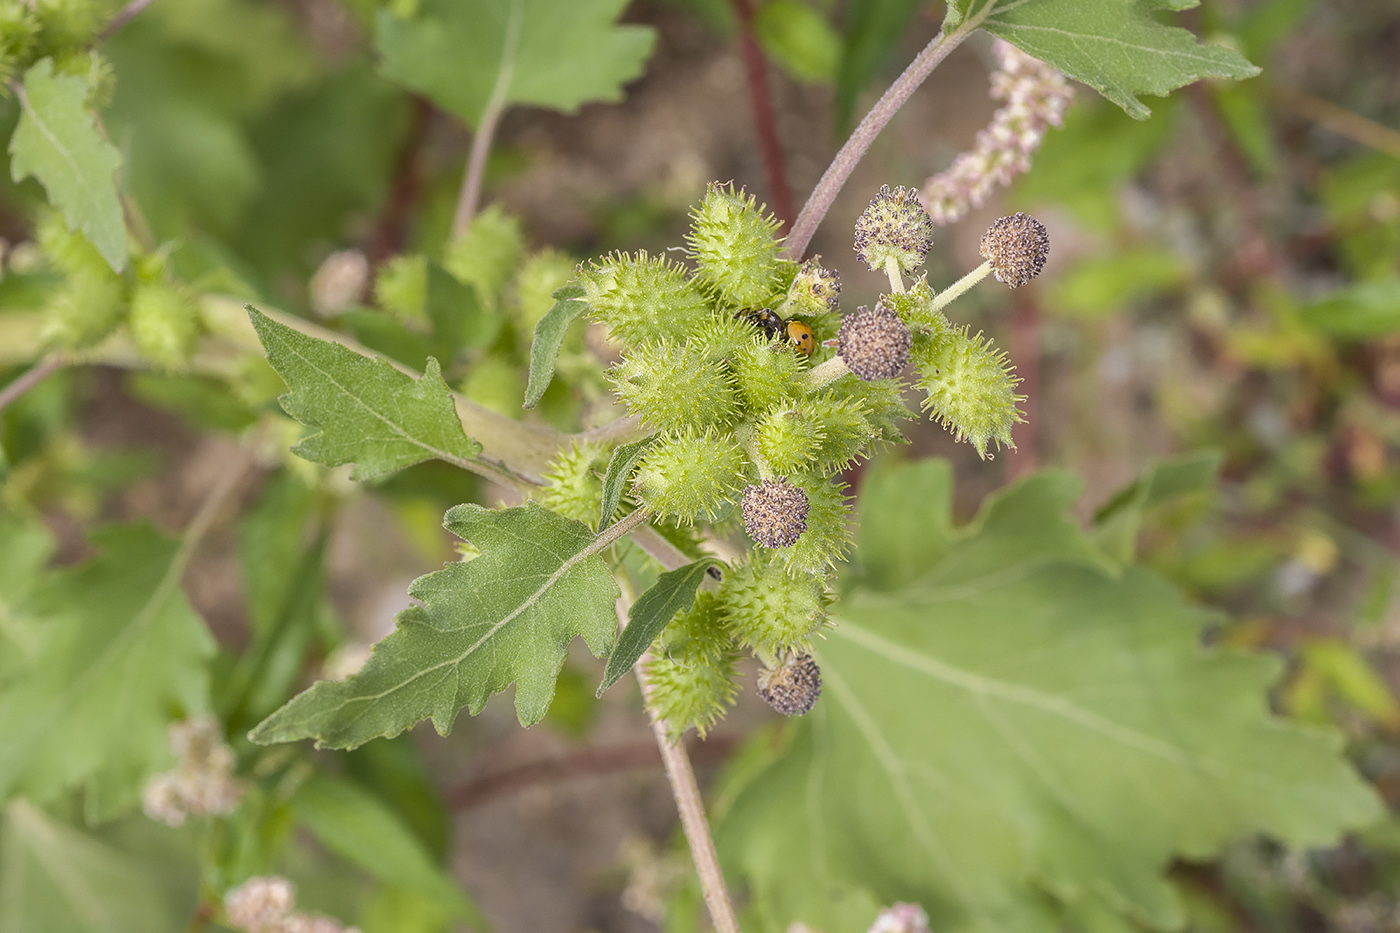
<point x="605" y="759"/>
<point x="764" y="118"/>
<point x="470" y="195"/>
<point x="1340" y="120"/>
<point x="390" y="231"/>
<point x="29" y="379"/>
<point x="688" y="802"/>
<point x="125" y="15"/>
<point x="884" y="110"/>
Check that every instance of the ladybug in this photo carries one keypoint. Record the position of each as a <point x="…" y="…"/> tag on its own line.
<point x="801" y="337"/>
<point x="765" y="319"/>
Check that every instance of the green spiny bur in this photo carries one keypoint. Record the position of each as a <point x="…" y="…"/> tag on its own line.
<point x="692" y="676"/>
<point x="401" y="288"/>
<point x="735" y="245"/>
<point x="690" y="475"/>
<point x="764" y="373"/>
<point x="845" y="429"/>
<point x="787" y="438"/>
<point x="487" y="255"/>
<point x="642" y="298"/>
<point x="970" y="386"/>
<point x="828" y="534"/>
<point x="723" y="337"/>
<point x="768" y="610"/>
<point x="164" y="323"/>
<point x="535" y="284"/>
<point x="84" y="309"/>
<point x="915" y="308"/>
<point x="572" y="486"/>
<point x="674" y="386"/>
<point x="881" y="404"/>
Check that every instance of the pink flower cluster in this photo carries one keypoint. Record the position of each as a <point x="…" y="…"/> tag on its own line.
<point x="202" y="782"/>
<point x="1036" y="96"/>
<point x="264" y="905"/>
<point x="901" y="918"/>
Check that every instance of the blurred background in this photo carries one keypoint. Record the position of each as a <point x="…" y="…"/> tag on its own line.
<point x="1223" y="276"/>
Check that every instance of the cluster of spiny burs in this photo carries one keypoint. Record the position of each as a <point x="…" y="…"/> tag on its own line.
<point x="755" y="417"/>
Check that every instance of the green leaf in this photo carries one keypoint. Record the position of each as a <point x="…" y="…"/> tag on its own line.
<point x="1117" y="521"/>
<point x="1368" y="309"/>
<point x="549" y="337"/>
<point x="368" y="412"/>
<point x="624" y="461"/>
<point x="505" y="616"/>
<point x="1114" y="46"/>
<point x="1023" y="742"/>
<point x="25" y="547"/>
<point x="799" y="39"/>
<point x="57" y="141"/>
<point x="122" y="651"/>
<point x="906" y="521"/>
<point x="58" y="879"/>
<point x="358" y="827"/>
<point x="673" y="592"/>
<point x="546" y="53"/>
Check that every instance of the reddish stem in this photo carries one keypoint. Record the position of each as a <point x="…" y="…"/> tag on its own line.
<point x="764" y="118"/>
<point x="391" y="231"/>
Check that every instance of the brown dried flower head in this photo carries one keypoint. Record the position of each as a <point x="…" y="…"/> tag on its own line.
<point x="775" y="512"/>
<point x="792" y="688"/>
<point x="874" y="344"/>
<point x="895" y="225"/>
<point x="1017" y="247"/>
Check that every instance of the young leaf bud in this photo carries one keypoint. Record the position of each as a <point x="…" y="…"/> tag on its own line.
<point x="675" y="386"/>
<point x="828" y="533"/>
<point x="691" y="679"/>
<point x="791" y="688"/>
<point x="874" y="344"/>
<point x="763" y="374"/>
<point x="894" y="226"/>
<point x="572" y="485"/>
<point x="814" y="291"/>
<point x="643" y="298"/>
<point x="971" y="388"/>
<point x="689" y="475"/>
<point x="769" y="610"/>
<point x="775" y="512"/>
<point x="735" y="245"/>
<point x="163" y="324"/>
<point x="487" y="255"/>
<point x="1017" y="247"/>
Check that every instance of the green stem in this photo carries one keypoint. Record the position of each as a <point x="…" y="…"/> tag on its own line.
<point x="895" y="275"/>
<point x="28" y="380"/>
<point x="954" y="291"/>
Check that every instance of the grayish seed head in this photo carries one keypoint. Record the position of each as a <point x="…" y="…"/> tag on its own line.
<point x="1017" y="247"/>
<point x="791" y="688"/>
<point x="775" y="512"/>
<point x="874" y="344"/>
<point x="894" y="225"/>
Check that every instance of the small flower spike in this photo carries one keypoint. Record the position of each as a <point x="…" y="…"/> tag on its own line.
<point x="775" y="512"/>
<point x="874" y="344"/>
<point x="896" y="229"/>
<point x="793" y="687"/>
<point x="1017" y="247"/>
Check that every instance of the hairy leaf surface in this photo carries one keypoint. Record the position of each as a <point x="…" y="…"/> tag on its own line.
<point x="1022" y="741"/>
<point x="1116" y="47"/>
<point x="624" y="460"/>
<point x="493" y="53"/>
<point x="122" y="652"/>
<point x="368" y="412"/>
<point x="57" y="142"/>
<point x="506" y="616"/>
<point x="549" y="337"/>
<point x="673" y="592"/>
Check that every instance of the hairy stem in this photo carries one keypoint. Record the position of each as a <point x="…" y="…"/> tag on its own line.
<point x="950" y="294"/>
<point x="28" y="380"/>
<point x="896" y="277"/>
<point x="884" y="110"/>
<point x="486" y="127"/>
<point x="764" y="118"/>
<point x="688" y="802"/>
